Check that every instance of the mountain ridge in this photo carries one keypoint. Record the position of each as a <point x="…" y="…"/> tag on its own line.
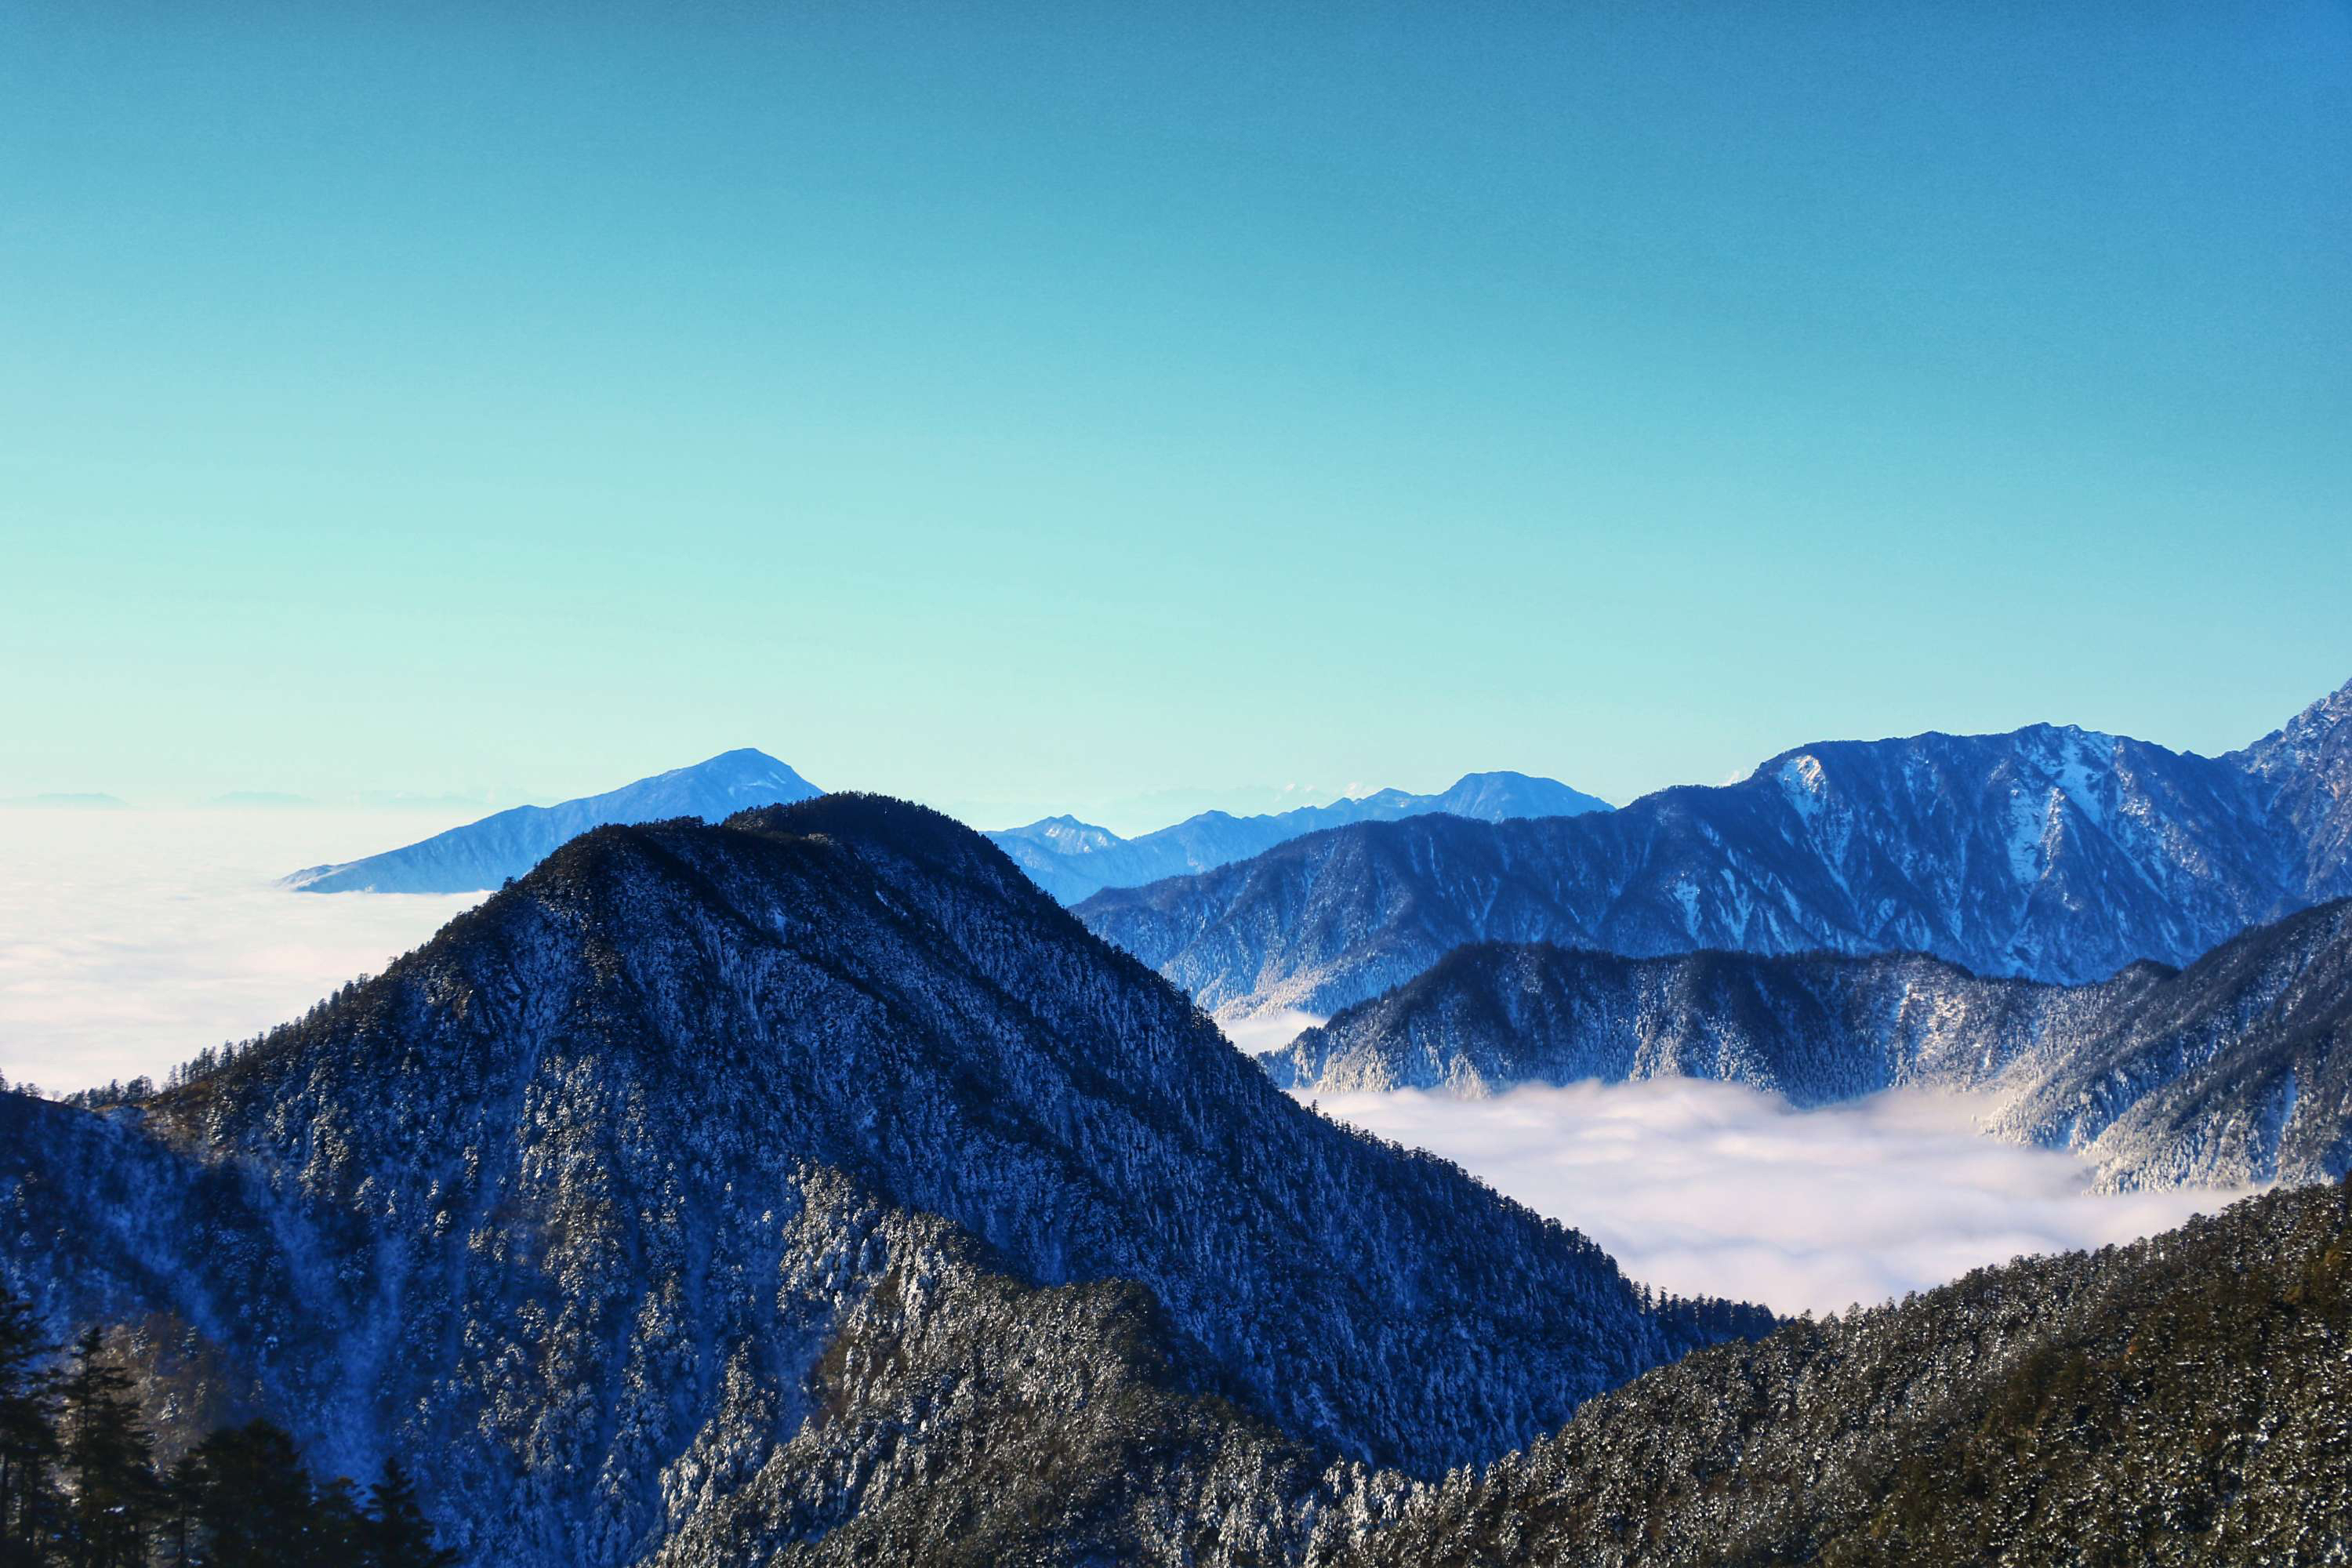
<point x="2051" y="852"/>
<point x="1073" y="860"/>
<point x="2233" y="1072"/>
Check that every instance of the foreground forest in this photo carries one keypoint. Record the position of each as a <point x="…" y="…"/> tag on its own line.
<point x="85" y="1481"/>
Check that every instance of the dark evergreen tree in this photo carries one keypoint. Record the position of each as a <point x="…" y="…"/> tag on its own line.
<point x="397" y="1534"/>
<point x="250" y="1501"/>
<point x="176" y="1536"/>
<point x="29" y="1437"/>
<point x="109" y="1463"/>
<point x="338" y="1532"/>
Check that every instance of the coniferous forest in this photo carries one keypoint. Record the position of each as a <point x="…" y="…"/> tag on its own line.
<point x="86" y="1483"/>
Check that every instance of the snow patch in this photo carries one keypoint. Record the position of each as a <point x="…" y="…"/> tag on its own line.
<point x="1805" y="785"/>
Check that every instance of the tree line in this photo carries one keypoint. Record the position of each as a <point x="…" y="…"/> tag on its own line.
<point x="81" y="1484"/>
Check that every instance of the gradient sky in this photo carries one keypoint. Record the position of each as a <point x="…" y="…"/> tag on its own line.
<point x="1022" y="407"/>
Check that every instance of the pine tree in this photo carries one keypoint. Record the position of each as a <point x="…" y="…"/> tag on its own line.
<point x="109" y="1463"/>
<point x="338" y="1532"/>
<point x="250" y="1498"/>
<point x="176" y="1533"/>
<point x="397" y="1534"/>
<point x="29" y="1437"/>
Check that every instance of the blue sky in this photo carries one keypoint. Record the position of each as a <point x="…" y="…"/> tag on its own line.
<point x="1025" y="407"/>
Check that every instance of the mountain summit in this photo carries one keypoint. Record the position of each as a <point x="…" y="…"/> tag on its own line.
<point x="485" y="854"/>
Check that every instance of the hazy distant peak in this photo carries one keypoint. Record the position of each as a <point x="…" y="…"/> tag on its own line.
<point x="507" y="844"/>
<point x="1076" y="862"/>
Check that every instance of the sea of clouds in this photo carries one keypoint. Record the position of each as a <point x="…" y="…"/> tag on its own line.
<point x="130" y="939"/>
<point x="1716" y="1189"/>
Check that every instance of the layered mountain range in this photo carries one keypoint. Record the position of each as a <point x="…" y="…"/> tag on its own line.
<point x="507" y="844"/>
<point x="732" y="1185"/>
<point x="2049" y="853"/>
<point x="2234" y="1071"/>
<point x="812" y="1189"/>
<point x="1072" y="859"/>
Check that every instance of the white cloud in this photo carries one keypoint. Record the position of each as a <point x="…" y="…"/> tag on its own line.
<point x="130" y="939"/>
<point x="1266" y="1031"/>
<point x="1713" y="1188"/>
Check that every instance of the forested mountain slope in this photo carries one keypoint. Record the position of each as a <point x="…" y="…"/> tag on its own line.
<point x="632" y="1179"/>
<point x="2181" y="1401"/>
<point x="1813" y="1027"/>
<point x="2052" y="854"/>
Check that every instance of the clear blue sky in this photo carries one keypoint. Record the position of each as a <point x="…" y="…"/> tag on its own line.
<point x="1027" y="406"/>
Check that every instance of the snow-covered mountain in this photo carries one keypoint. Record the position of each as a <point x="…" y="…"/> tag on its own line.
<point x="2053" y="853"/>
<point x="1072" y="859"/>
<point x="484" y="854"/>
<point x="2233" y="1072"/>
<point x="722" y="1186"/>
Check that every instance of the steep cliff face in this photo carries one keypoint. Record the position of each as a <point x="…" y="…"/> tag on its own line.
<point x="2051" y="854"/>
<point x="2234" y="1071"/>
<point x="584" y="1203"/>
<point x="2303" y="771"/>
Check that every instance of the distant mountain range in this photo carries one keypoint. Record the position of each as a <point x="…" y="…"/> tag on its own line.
<point x="2051" y="853"/>
<point x="485" y="854"/>
<point x="2234" y="1071"/>
<point x="260" y="800"/>
<point x="1073" y="860"/>
<point x="1068" y="858"/>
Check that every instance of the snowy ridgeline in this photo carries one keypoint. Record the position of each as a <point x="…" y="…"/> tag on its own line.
<point x="2052" y="854"/>
<point x="2226" y="1073"/>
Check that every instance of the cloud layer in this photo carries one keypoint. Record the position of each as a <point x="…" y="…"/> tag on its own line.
<point x="1717" y="1189"/>
<point x="129" y="939"/>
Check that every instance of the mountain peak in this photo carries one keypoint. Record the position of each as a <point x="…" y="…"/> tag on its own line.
<point x="484" y="854"/>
